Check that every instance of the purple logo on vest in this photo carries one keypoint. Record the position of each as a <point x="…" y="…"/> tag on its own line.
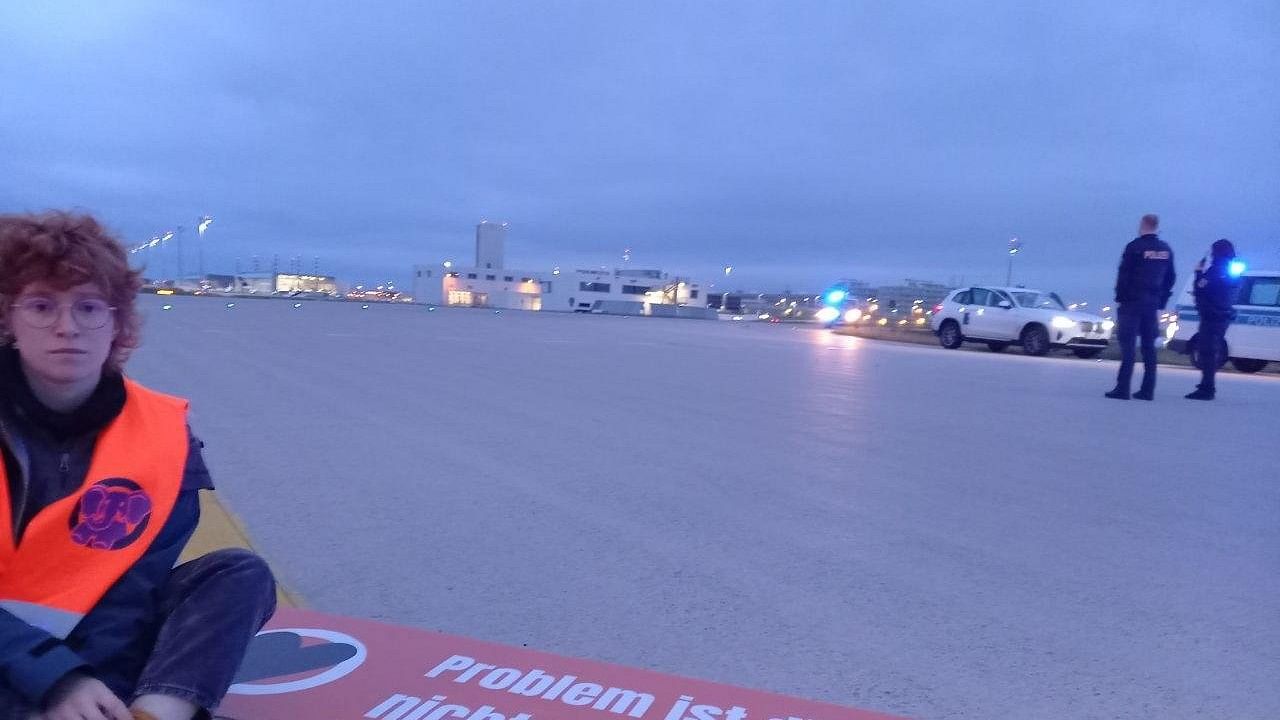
<point x="110" y="515"/>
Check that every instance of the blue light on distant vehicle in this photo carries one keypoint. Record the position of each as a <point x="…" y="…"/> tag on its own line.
<point x="1236" y="268"/>
<point x="835" y="297"/>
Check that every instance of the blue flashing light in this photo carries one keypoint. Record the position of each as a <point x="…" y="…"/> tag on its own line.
<point x="1236" y="268"/>
<point x="835" y="297"/>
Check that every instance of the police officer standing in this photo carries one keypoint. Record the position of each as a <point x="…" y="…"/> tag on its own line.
<point x="1144" y="285"/>
<point x="1215" y="296"/>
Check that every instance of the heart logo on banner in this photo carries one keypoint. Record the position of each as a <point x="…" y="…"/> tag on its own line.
<point x="278" y="654"/>
<point x="281" y="654"/>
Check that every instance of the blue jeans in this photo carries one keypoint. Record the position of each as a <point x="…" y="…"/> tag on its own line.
<point x="208" y="611"/>
<point x="1137" y="323"/>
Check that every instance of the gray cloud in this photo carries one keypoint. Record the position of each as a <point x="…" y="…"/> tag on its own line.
<point x="798" y="141"/>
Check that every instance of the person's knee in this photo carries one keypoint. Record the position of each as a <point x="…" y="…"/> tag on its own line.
<point x="244" y="570"/>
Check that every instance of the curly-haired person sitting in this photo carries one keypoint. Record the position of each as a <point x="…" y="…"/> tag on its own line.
<point x="98" y="497"/>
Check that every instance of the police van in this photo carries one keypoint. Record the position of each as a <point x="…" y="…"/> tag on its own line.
<point x="1253" y="338"/>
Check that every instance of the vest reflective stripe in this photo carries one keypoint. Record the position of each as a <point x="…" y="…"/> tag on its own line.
<point x="75" y="549"/>
<point x="58" y="623"/>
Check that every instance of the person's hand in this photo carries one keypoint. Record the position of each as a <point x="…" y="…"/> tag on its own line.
<point x="80" y="697"/>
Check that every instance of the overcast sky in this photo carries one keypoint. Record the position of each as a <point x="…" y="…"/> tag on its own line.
<point x="800" y="142"/>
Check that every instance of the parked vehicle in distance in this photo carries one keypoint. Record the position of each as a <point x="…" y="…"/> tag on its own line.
<point x="1253" y="338"/>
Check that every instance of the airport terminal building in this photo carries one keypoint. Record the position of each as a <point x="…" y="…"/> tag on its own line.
<point x="489" y="284"/>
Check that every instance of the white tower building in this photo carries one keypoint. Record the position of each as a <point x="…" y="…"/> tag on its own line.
<point x="491" y="241"/>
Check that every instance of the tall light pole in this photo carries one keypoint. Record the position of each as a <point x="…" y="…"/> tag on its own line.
<point x="182" y="271"/>
<point x="163" y="240"/>
<point x="205" y="222"/>
<point x="1015" y="245"/>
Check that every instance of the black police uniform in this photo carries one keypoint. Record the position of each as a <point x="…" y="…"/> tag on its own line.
<point x="1215" y="295"/>
<point x="1144" y="284"/>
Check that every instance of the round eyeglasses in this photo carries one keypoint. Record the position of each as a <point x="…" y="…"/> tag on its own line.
<point x="42" y="312"/>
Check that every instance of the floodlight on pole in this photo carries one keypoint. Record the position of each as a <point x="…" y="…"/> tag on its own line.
<point x="203" y="225"/>
<point x="164" y="241"/>
<point x="182" y="271"/>
<point x="1015" y="246"/>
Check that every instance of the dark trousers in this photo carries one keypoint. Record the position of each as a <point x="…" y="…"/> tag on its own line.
<point x="1209" y="341"/>
<point x="209" y="610"/>
<point x="1135" y="323"/>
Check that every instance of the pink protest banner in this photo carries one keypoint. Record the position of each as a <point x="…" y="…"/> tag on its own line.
<point x="310" y="666"/>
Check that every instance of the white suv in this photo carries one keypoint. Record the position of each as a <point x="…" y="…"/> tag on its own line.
<point x="1000" y="317"/>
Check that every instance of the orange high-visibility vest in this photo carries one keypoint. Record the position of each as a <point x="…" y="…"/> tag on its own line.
<point x="75" y="549"/>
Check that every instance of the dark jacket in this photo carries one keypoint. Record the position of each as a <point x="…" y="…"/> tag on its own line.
<point x="1146" y="276"/>
<point x="1215" y="292"/>
<point x="46" y="456"/>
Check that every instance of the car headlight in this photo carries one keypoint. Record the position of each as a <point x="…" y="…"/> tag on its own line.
<point x="1108" y="325"/>
<point x="827" y="314"/>
<point x="1063" y="322"/>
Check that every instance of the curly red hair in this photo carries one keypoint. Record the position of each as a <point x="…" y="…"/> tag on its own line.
<point x="65" y="250"/>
